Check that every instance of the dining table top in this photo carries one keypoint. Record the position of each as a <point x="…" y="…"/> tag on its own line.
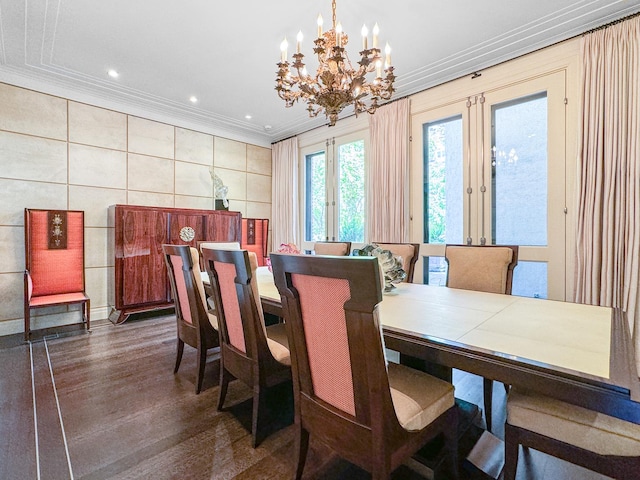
<point x="574" y="342"/>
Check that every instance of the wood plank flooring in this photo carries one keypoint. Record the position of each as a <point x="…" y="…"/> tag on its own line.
<point x="108" y="406"/>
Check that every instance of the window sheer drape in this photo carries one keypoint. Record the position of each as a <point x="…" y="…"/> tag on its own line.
<point x="388" y="174"/>
<point x="285" y="211"/>
<point x="608" y="227"/>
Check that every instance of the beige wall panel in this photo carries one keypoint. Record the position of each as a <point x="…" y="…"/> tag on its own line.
<point x="12" y="240"/>
<point x="32" y="158"/>
<point x="96" y="286"/>
<point x="194" y="147"/>
<point x="150" y="138"/>
<point x="150" y="199"/>
<point x="259" y="210"/>
<point x="11" y="295"/>
<point x="96" y="245"/>
<point x="235" y="181"/>
<point x="97" y="167"/>
<point x="25" y="111"/>
<point x="19" y="194"/>
<point x="229" y="154"/>
<point x="150" y="174"/>
<point x="238" y="206"/>
<point x="259" y="188"/>
<point x="193" y="180"/>
<point x="258" y="160"/>
<point x="95" y="202"/>
<point x="97" y="126"/>
<point x="184" y="201"/>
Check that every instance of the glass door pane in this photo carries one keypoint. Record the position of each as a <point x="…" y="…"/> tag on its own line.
<point x="443" y="181"/>
<point x="315" y="197"/>
<point x="519" y="171"/>
<point x="351" y="191"/>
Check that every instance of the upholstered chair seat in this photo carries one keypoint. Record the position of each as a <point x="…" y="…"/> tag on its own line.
<point x="594" y="440"/>
<point x="418" y="398"/>
<point x="572" y="424"/>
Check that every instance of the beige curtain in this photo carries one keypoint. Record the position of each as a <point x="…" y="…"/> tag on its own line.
<point x="285" y="211"/>
<point x="388" y="174"/>
<point x="608" y="227"/>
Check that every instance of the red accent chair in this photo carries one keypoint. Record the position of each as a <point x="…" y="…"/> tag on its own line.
<point x="373" y="414"/>
<point x="197" y="326"/>
<point x="251" y="352"/>
<point x="54" y="276"/>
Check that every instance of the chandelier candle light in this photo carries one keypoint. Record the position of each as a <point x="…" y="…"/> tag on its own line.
<point x="336" y="83"/>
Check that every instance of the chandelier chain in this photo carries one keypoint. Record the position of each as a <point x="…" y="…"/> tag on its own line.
<point x="333" y="11"/>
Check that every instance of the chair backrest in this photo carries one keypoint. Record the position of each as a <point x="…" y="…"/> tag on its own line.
<point x="408" y="252"/>
<point x="54" y="251"/>
<point x="255" y="237"/>
<point x="187" y="289"/>
<point x="332" y="248"/>
<point x="237" y="300"/>
<point x="331" y="312"/>
<point x="485" y="268"/>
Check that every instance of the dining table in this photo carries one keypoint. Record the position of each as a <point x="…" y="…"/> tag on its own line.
<point x="577" y="353"/>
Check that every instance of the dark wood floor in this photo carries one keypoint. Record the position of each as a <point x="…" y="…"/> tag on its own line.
<point x="107" y="406"/>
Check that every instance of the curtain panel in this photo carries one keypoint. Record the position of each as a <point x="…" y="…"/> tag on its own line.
<point x="608" y="225"/>
<point x="388" y="174"/>
<point x="285" y="210"/>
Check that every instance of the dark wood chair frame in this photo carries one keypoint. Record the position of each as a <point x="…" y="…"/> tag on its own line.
<point x="618" y="467"/>
<point x="84" y="301"/>
<point x="487" y="383"/>
<point x="348" y="244"/>
<point x="256" y="367"/>
<point x="199" y="333"/>
<point x="373" y="439"/>
<point x="412" y="262"/>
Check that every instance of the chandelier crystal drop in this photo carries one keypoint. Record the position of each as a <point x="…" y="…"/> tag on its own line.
<point x="336" y="83"/>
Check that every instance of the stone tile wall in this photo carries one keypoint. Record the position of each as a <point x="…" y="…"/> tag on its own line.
<point x="59" y="154"/>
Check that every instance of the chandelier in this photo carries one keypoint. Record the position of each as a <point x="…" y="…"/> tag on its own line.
<point x="336" y="83"/>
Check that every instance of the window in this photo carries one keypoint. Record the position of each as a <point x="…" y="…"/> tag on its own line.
<point x="334" y="191"/>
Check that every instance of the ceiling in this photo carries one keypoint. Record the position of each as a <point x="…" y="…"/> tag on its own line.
<point x="225" y="53"/>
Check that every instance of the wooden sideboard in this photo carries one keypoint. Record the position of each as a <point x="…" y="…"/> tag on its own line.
<point x="140" y="282"/>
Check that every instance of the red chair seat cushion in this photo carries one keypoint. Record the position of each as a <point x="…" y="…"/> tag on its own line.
<point x="58" y="299"/>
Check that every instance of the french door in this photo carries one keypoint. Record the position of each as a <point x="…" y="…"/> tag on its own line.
<point x="492" y="171"/>
<point x="333" y="180"/>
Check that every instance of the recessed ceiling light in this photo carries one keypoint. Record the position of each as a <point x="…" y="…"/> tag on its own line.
<point x="248" y="117"/>
<point x="113" y="74"/>
<point x="193" y="99"/>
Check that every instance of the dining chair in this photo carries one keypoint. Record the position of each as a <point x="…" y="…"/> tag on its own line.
<point x="197" y="326"/>
<point x="54" y="263"/>
<point x="372" y="413"/>
<point x="203" y="272"/>
<point x="593" y="440"/>
<point x="332" y="248"/>
<point x="408" y="252"/>
<point x="251" y="352"/>
<point x="483" y="268"/>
